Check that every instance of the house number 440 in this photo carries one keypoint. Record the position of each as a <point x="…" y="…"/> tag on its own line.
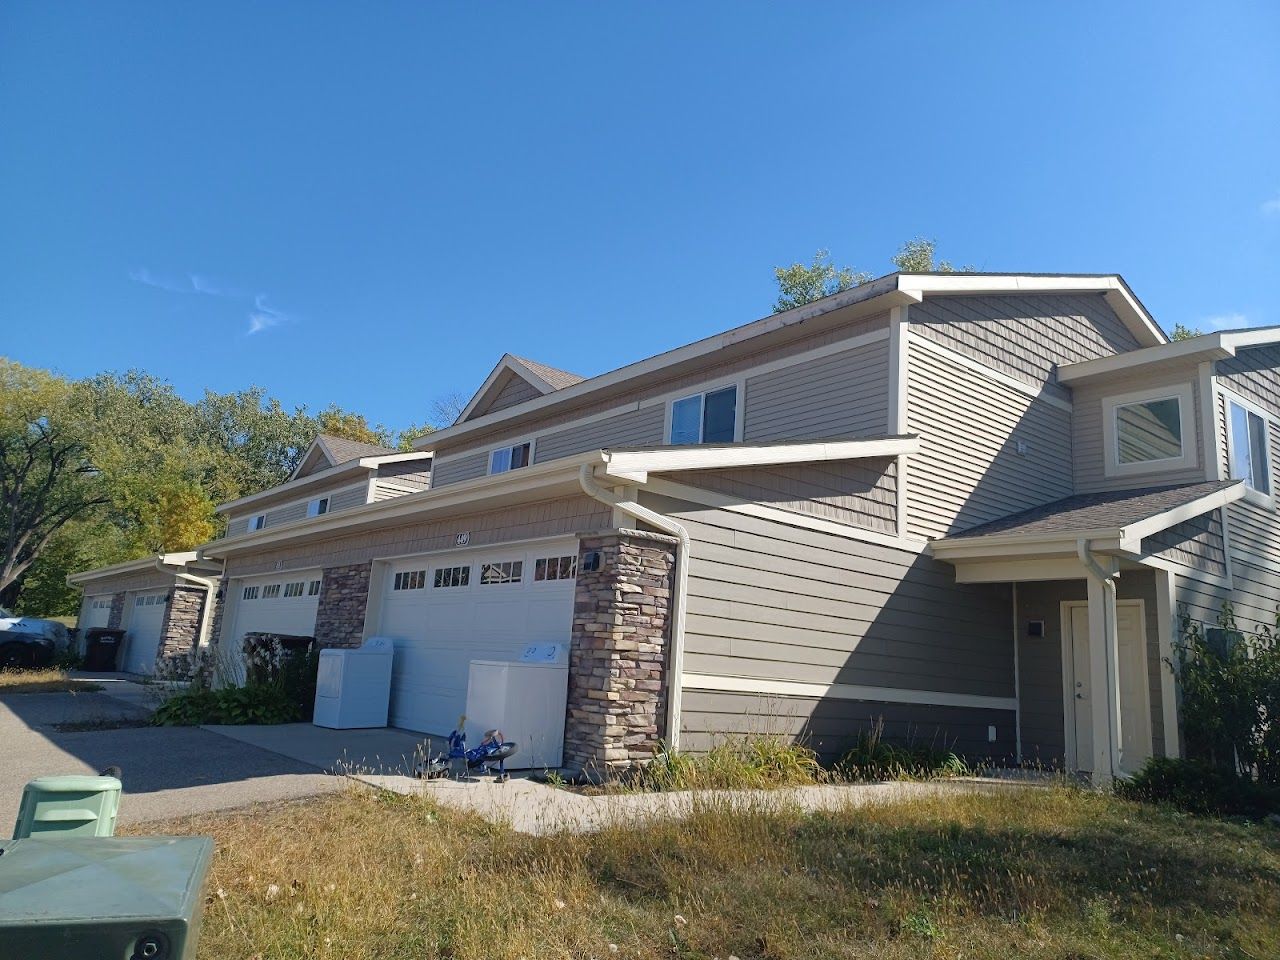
<point x="462" y="539"/>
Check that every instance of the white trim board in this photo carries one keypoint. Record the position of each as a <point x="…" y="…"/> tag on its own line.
<point x="999" y="376"/>
<point x="843" y="691"/>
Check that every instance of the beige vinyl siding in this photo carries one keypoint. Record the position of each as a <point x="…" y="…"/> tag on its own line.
<point x="142" y="580"/>
<point x="398" y="479"/>
<point x="772" y="601"/>
<point x="1040" y="661"/>
<point x="1254" y="373"/>
<point x="511" y="390"/>
<point x="831" y="726"/>
<point x="968" y="470"/>
<point x="861" y="493"/>
<point x="635" y="428"/>
<point x="1196" y="544"/>
<point x="733" y="360"/>
<point x="1087" y="432"/>
<point x="561" y="517"/>
<point x="842" y="395"/>
<point x="342" y="499"/>
<point x="1028" y="336"/>
<point x="467" y="467"/>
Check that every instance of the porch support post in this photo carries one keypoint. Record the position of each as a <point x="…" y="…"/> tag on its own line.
<point x="1104" y="669"/>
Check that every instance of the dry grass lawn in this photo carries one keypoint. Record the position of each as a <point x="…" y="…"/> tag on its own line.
<point x="1039" y="873"/>
<point x="43" y="681"/>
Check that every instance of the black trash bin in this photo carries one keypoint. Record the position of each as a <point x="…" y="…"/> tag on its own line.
<point x="102" y="649"/>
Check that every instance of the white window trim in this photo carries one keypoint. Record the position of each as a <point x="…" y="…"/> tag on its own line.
<point x="739" y="405"/>
<point x="488" y="457"/>
<point x="313" y="506"/>
<point x="1250" y="494"/>
<point x="1185" y="395"/>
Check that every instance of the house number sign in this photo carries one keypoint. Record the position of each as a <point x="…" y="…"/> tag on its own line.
<point x="462" y="539"/>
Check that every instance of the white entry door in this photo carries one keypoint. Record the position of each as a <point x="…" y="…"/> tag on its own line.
<point x="280" y="603"/>
<point x="1135" y="700"/>
<point x="142" y="638"/>
<point x="447" y="609"/>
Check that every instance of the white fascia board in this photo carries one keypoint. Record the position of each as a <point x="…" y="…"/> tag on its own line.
<point x="411" y="506"/>
<point x="1212" y="346"/>
<point x="1261" y="337"/>
<point x="134" y="566"/>
<point x="351" y="466"/>
<point x="635" y="465"/>
<point x="1134" y="533"/>
<point x="375" y="462"/>
<point x="881" y="294"/>
<point x="507" y="363"/>
<point x="1042" y="545"/>
<point x="1119" y="297"/>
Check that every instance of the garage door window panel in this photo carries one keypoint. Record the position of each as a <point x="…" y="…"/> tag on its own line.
<point x="410" y="580"/>
<point x="501" y="572"/>
<point x="446" y="577"/>
<point x="555" y="568"/>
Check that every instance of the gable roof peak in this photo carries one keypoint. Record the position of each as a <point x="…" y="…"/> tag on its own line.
<point x="554" y="377"/>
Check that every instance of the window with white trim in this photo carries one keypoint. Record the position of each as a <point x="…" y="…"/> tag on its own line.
<point x="318" y="508"/>
<point x="271" y="591"/>
<point x="1150" y="431"/>
<point x="502" y="571"/>
<point x="313" y="588"/>
<point x="710" y="417"/>
<point x="258" y="522"/>
<point x="511" y="458"/>
<point x="1247" y="447"/>
<point x="555" y="568"/>
<point x="294" y="589"/>
<point x="452" y="577"/>
<point x="410" y="580"/>
<point x="250" y="593"/>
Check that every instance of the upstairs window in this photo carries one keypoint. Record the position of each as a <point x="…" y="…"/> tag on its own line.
<point x="1149" y="431"/>
<point x="710" y="417"/>
<point x="318" y="508"/>
<point x="1247" y="447"/>
<point x="258" y="522"/>
<point x="510" y="458"/>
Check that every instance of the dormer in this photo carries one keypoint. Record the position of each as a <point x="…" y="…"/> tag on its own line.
<point x="515" y="380"/>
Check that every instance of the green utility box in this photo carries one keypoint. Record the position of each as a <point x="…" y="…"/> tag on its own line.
<point x="73" y="806"/>
<point x="122" y="898"/>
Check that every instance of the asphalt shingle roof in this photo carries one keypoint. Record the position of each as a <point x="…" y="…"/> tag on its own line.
<point x="344" y="451"/>
<point x="559" y="379"/>
<point x="1094" y="511"/>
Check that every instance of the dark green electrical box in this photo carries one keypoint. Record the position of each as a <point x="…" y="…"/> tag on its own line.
<point x="116" y="898"/>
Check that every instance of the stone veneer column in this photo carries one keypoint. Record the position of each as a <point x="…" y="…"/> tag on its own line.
<point x="180" y="632"/>
<point x="117" y="611"/>
<point x="617" y="658"/>
<point x="344" y="594"/>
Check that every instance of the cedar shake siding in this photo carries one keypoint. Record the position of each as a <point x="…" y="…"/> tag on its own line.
<point x="1026" y="337"/>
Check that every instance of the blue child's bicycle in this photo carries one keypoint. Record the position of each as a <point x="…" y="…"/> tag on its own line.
<point x="492" y="752"/>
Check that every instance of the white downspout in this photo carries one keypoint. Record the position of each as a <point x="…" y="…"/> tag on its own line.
<point x="675" y="662"/>
<point x="206" y="614"/>
<point x="1111" y="643"/>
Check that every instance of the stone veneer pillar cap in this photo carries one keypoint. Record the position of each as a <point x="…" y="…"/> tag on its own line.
<point x="629" y="534"/>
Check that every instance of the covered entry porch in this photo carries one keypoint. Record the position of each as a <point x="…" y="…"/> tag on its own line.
<point x="1094" y="618"/>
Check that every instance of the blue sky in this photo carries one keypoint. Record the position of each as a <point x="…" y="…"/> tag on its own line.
<point x="368" y="204"/>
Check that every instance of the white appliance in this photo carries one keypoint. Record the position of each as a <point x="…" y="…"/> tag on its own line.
<point x="526" y="700"/>
<point x="353" y="686"/>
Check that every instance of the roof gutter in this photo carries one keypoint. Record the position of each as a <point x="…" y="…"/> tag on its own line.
<point x="675" y="662"/>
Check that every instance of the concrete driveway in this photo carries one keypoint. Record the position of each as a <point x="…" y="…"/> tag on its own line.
<point x="167" y="771"/>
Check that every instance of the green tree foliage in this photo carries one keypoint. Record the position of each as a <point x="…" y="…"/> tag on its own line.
<point x="802" y="283"/>
<point x="150" y="466"/>
<point x="1183" y="332"/>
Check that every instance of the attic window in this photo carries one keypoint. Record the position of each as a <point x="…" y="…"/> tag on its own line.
<point x="710" y="417"/>
<point x="258" y="522"/>
<point x="511" y="458"/>
<point x="317" y="508"/>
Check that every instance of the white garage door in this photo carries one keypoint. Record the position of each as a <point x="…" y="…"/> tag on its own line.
<point x="142" y="641"/>
<point x="281" y="603"/>
<point x="96" y="613"/>
<point x="445" y="610"/>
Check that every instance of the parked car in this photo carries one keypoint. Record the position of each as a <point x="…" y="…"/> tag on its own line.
<point x="30" y="641"/>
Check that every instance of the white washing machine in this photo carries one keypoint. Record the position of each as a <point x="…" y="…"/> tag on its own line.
<point x="526" y="700"/>
<point x="353" y="686"/>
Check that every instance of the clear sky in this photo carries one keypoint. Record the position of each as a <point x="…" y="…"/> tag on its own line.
<point x="369" y="203"/>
